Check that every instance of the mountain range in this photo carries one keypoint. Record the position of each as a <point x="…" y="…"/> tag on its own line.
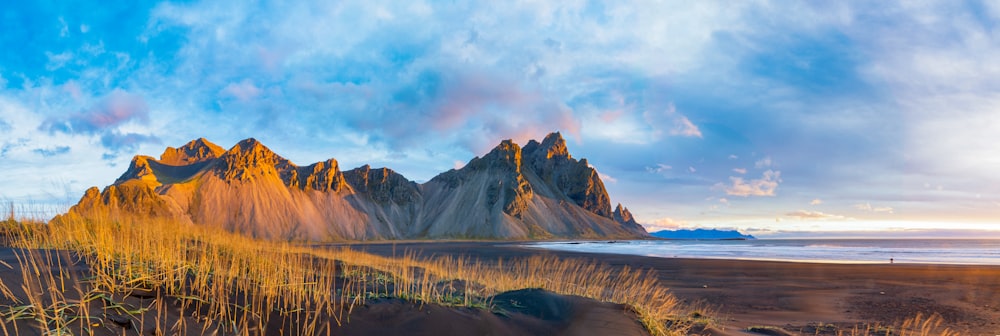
<point x="538" y="191"/>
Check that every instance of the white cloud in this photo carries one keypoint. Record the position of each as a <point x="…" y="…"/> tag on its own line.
<point x="813" y="215"/>
<point x="816" y="202"/>
<point x="244" y="90"/>
<point x="607" y="178"/>
<point x="868" y="207"/>
<point x="57" y="61"/>
<point x="660" y="168"/>
<point x="733" y="157"/>
<point x="763" y="163"/>
<point x="740" y="170"/>
<point x="63" y="27"/>
<point x="764" y="186"/>
<point x="684" y="127"/>
<point x="665" y="223"/>
<point x="691" y="169"/>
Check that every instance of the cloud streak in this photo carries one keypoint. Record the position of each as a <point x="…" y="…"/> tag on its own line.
<point x="111" y="112"/>
<point x="813" y="215"/>
<point x="50" y="152"/>
<point x="105" y="120"/>
<point x="869" y="208"/>
<point x="764" y="186"/>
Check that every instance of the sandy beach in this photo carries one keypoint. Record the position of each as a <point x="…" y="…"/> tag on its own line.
<point x="777" y="297"/>
<point x="796" y="297"/>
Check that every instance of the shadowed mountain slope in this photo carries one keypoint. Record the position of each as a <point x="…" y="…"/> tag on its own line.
<point x="534" y="192"/>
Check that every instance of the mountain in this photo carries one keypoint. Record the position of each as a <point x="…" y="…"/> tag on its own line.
<point x="701" y="234"/>
<point x="535" y="192"/>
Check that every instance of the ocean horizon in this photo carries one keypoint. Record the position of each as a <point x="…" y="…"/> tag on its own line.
<point x="841" y="251"/>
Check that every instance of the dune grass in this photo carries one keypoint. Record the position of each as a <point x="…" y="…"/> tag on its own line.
<point x="215" y="281"/>
<point x="85" y="277"/>
<point x="918" y="325"/>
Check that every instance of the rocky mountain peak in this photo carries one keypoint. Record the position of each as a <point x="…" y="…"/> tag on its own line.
<point x="507" y="151"/>
<point x="139" y="168"/>
<point x="250" y="158"/>
<point x="249" y="145"/>
<point x="198" y="150"/>
<point x="552" y="147"/>
<point x="551" y="161"/>
<point x="324" y="176"/>
<point x="383" y="185"/>
<point x="623" y="216"/>
<point x="506" y="155"/>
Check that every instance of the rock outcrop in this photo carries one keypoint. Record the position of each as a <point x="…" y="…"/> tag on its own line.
<point x="623" y="216"/>
<point x="539" y="191"/>
<point x="195" y="151"/>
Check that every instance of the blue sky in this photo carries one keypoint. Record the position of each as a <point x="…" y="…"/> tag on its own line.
<point x="772" y="117"/>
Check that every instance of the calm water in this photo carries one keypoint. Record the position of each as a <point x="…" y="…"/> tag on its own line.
<point x="933" y="251"/>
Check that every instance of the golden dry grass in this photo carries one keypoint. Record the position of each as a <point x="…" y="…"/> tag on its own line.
<point x="919" y="325"/>
<point x="234" y="284"/>
<point x="209" y="281"/>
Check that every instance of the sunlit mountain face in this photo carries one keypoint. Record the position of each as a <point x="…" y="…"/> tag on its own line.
<point x="837" y="119"/>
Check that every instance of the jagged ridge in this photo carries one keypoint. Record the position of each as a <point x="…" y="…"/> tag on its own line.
<point x="539" y="191"/>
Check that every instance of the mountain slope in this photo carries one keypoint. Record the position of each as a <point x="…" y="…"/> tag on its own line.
<point x="539" y="191"/>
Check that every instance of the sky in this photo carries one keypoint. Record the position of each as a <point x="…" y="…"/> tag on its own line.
<point x="777" y="118"/>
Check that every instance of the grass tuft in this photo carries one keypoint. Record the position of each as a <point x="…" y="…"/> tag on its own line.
<point x="84" y="275"/>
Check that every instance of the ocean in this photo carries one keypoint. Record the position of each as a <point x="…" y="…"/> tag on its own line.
<point x="852" y="251"/>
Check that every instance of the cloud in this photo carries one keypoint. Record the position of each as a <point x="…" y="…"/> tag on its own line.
<point x="660" y="168"/>
<point x="740" y="170"/>
<point x="57" y="61"/>
<point x="816" y="202"/>
<point x="763" y="163"/>
<point x="243" y="91"/>
<point x="10" y="145"/>
<point x="764" y="186"/>
<point x="868" y="207"/>
<point x="607" y="178"/>
<point x="116" y="109"/>
<point x="317" y="75"/>
<point x="106" y="120"/>
<point x="4" y="126"/>
<point x="671" y="122"/>
<point x="665" y="223"/>
<point x="684" y="127"/>
<point x="691" y="169"/>
<point x="127" y="142"/>
<point x="814" y="215"/>
<point x="50" y="152"/>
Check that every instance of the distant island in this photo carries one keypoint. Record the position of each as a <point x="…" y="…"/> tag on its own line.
<point x="702" y="234"/>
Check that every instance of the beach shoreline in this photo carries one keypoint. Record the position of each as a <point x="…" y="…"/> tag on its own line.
<point x="795" y="296"/>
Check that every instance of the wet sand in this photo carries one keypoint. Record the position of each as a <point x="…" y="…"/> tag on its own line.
<point x="797" y="297"/>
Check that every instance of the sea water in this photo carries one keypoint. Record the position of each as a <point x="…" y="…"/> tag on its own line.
<point x="857" y="251"/>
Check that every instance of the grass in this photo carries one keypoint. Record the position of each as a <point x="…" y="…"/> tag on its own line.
<point x="82" y="276"/>
<point x="101" y="276"/>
